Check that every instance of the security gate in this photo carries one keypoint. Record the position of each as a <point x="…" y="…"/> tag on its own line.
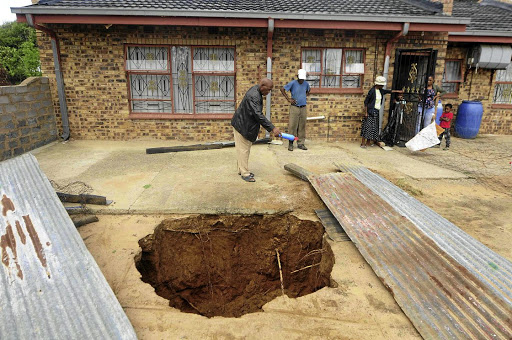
<point x="412" y="69"/>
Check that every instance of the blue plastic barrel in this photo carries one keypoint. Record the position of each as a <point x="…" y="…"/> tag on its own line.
<point x="469" y="117"/>
<point x="439" y="112"/>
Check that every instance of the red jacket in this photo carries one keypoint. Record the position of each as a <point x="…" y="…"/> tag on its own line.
<point x="446" y="124"/>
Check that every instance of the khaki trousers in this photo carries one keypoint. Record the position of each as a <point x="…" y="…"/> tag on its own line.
<point x="297" y="122"/>
<point x="243" y="149"/>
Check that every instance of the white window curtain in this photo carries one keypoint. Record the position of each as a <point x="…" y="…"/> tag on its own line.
<point x="332" y="68"/>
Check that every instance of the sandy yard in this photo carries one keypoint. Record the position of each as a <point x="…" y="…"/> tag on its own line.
<point x="470" y="185"/>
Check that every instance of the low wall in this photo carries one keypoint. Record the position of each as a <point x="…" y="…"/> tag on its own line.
<point x="27" y="118"/>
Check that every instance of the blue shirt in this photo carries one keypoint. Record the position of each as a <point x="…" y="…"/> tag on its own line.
<point x="298" y="91"/>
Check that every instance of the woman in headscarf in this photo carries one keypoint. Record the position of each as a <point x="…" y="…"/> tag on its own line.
<point x="372" y="104"/>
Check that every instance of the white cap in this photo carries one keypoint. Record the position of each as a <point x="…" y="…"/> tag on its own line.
<point x="302" y="73"/>
<point x="380" y="80"/>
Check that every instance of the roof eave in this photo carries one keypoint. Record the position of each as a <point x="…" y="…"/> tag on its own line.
<point x="496" y="37"/>
<point x="45" y="10"/>
<point x="484" y="33"/>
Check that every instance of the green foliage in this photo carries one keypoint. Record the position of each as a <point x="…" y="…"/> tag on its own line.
<point x="19" y="55"/>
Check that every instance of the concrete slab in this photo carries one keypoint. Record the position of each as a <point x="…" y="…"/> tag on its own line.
<point x="206" y="181"/>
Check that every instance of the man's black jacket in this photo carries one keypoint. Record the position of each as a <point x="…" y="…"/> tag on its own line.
<point x="249" y="115"/>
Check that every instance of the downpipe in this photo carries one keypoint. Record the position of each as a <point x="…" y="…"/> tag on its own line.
<point x="270" y="35"/>
<point x="58" y="74"/>
<point x="389" y="44"/>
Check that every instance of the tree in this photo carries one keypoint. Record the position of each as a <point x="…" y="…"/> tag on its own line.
<point x="19" y="56"/>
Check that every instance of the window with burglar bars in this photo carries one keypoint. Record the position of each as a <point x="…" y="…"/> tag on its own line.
<point x="184" y="80"/>
<point x="452" y="76"/>
<point x="333" y="68"/>
<point x="503" y="86"/>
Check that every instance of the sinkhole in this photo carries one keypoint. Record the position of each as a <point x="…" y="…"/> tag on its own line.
<point x="227" y="265"/>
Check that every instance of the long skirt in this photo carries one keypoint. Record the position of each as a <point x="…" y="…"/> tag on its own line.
<point x="370" y="126"/>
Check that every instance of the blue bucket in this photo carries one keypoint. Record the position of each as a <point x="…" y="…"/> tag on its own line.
<point x="469" y="118"/>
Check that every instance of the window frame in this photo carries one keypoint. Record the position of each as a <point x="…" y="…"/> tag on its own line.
<point x="501" y="105"/>
<point x="457" y="82"/>
<point x="192" y="115"/>
<point x="340" y="89"/>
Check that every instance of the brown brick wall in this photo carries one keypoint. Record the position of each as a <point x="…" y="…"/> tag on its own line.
<point x="479" y="85"/>
<point x="96" y="88"/>
<point x="27" y="119"/>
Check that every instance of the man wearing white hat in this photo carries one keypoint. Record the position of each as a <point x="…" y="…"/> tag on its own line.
<point x="299" y="89"/>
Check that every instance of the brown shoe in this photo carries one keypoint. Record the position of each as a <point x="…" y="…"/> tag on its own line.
<point x="302" y="147"/>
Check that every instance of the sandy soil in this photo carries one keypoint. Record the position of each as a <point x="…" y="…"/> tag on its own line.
<point x="359" y="306"/>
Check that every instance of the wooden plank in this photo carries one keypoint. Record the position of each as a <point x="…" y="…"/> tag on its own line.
<point x="196" y="147"/>
<point x="84" y="199"/>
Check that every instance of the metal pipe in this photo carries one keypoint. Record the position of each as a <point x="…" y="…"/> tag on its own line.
<point x="403" y="32"/>
<point x="270" y="34"/>
<point x="58" y="75"/>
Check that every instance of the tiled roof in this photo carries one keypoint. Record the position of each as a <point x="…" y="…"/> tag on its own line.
<point x="487" y="15"/>
<point x="334" y="7"/>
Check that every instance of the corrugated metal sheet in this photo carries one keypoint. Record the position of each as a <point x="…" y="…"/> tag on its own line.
<point x="445" y="296"/>
<point x="332" y="226"/>
<point x="50" y="285"/>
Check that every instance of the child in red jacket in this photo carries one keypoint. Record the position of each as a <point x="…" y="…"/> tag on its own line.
<point x="445" y="122"/>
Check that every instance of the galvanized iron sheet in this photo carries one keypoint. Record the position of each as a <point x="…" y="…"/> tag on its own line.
<point x="332" y="226"/>
<point x="50" y="285"/>
<point x="441" y="294"/>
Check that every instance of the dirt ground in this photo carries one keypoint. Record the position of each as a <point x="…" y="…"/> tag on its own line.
<point x="470" y="185"/>
<point x="231" y="265"/>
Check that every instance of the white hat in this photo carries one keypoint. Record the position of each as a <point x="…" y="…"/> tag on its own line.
<point x="302" y="73"/>
<point x="380" y="80"/>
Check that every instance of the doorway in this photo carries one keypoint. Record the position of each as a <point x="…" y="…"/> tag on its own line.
<point x="412" y="69"/>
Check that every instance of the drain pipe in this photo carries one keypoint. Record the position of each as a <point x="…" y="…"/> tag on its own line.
<point x="389" y="44"/>
<point x="58" y="74"/>
<point x="270" y="35"/>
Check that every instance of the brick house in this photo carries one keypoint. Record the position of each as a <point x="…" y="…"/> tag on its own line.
<point x="178" y="69"/>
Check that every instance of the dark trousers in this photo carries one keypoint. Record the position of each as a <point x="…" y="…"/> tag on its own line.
<point x="446" y="134"/>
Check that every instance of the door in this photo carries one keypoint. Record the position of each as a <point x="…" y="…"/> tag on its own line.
<point x="412" y="69"/>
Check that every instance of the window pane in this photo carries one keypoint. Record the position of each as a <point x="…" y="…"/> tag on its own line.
<point x="332" y="62"/>
<point x="354" y="62"/>
<point x="215" y="94"/>
<point x="207" y="59"/>
<point x="351" y="81"/>
<point x="182" y="79"/>
<point x="150" y="86"/>
<point x="311" y="61"/>
<point x="450" y="87"/>
<point x="504" y="75"/>
<point x="314" y="81"/>
<point x="452" y="71"/>
<point x="151" y="106"/>
<point x="503" y="94"/>
<point x="142" y="58"/>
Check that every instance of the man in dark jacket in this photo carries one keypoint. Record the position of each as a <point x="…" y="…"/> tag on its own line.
<point x="246" y="124"/>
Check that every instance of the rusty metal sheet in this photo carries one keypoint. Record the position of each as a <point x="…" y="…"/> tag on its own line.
<point x="50" y="285"/>
<point x="442" y="297"/>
